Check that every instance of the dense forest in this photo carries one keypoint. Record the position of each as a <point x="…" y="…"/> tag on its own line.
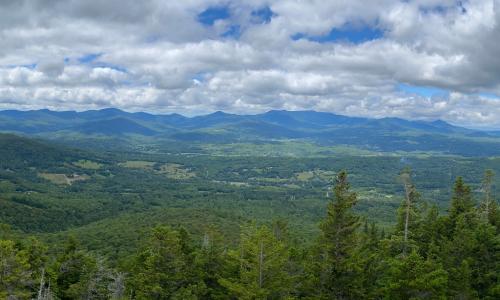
<point x="425" y="255"/>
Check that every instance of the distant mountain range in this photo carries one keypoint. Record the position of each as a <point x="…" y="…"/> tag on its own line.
<point x="386" y="134"/>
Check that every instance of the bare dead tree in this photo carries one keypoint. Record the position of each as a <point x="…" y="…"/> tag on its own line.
<point x="117" y="286"/>
<point x="487" y="184"/>
<point x="410" y="193"/>
<point x="261" y="263"/>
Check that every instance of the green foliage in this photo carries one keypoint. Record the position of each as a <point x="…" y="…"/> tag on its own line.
<point x="259" y="266"/>
<point x="461" y="201"/>
<point x="199" y="250"/>
<point x="160" y="270"/>
<point x="413" y="277"/>
<point x="339" y="243"/>
<point x="455" y="256"/>
<point x="15" y="273"/>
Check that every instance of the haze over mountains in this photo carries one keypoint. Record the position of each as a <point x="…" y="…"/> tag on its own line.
<point x="387" y="134"/>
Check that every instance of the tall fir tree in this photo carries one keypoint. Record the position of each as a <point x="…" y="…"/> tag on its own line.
<point x="339" y="243"/>
<point x="461" y="201"/>
<point x="160" y="270"/>
<point x="15" y="272"/>
<point x="260" y="264"/>
<point x="413" y="277"/>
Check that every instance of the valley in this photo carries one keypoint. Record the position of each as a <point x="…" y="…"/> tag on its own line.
<point x="110" y="190"/>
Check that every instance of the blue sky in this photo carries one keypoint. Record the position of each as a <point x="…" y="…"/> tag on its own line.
<point x="212" y="14"/>
<point x="346" y="33"/>
<point x="424" y="91"/>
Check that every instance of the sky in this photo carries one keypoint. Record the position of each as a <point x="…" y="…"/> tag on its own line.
<point x="421" y="59"/>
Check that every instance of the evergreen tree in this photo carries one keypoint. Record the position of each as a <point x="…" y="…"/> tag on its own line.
<point x="209" y="263"/>
<point x="461" y="201"/>
<point x="339" y="243"/>
<point x="428" y="233"/>
<point x="370" y="261"/>
<point x="260" y="262"/>
<point x="413" y="277"/>
<point x="72" y="270"/>
<point x="159" y="271"/>
<point x="485" y="262"/>
<point x="15" y="273"/>
<point x="37" y="259"/>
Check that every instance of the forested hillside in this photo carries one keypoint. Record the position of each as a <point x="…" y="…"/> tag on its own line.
<point x="83" y="224"/>
<point x="113" y="128"/>
<point x="425" y="255"/>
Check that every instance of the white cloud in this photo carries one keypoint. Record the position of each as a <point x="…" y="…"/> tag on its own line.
<point x="156" y="56"/>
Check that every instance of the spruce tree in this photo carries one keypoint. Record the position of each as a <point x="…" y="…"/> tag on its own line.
<point x="461" y="201"/>
<point x="15" y="273"/>
<point x="260" y="264"/>
<point x="339" y="243"/>
<point x="159" y="271"/>
<point x="413" y="277"/>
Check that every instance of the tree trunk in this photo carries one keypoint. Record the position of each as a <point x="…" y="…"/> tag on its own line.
<point x="407" y="216"/>
<point x="261" y="262"/>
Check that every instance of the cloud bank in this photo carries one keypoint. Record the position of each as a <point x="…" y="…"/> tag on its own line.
<point x="421" y="59"/>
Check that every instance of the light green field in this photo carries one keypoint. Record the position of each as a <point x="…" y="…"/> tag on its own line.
<point x="137" y="164"/>
<point x="284" y="148"/>
<point x="62" y="178"/>
<point x="320" y="174"/>
<point x="305" y="176"/>
<point x="176" y="171"/>
<point x="88" y="164"/>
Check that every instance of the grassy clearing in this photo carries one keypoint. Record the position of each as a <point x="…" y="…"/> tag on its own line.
<point x="88" y="164"/>
<point x="284" y="149"/>
<point x="62" y="178"/>
<point x="319" y="174"/>
<point x="137" y="164"/>
<point x="176" y="171"/>
<point x="305" y="176"/>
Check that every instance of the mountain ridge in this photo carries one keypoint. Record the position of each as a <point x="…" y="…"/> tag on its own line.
<point x="323" y="118"/>
<point x="322" y="128"/>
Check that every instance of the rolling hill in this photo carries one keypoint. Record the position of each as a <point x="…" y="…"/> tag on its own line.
<point x="327" y="129"/>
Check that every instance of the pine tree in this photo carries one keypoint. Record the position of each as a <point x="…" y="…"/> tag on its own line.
<point x="413" y="277"/>
<point x="461" y="201"/>
<point x="15" y="273"/>
<point x="339" y="243"/>
<point x="428" y="232"/>
<point x="37" y="258"/>
<point x="159" y="271"/>
<point x="370" y="261"/>
<point x="209" y="263"/>
<point x="72" y="270"/>
<point x="261" y="262"/>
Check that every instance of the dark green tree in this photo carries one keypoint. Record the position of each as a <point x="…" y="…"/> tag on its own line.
<point x="413" y="277"/>
<point x="461" y="201"/>
<point x="160" y="270"/>
<point x="72" y="271"/>
<point x="261" y="262"/>
<point x="340" y="273"/>
<point x="15" y="273"/>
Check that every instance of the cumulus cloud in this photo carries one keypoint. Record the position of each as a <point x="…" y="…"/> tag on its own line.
<point x="252" y="56"/>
